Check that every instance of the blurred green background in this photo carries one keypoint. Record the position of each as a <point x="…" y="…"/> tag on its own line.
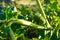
<point x="29" y="19"/>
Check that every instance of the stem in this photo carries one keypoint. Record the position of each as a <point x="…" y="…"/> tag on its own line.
<point x="42" y="11"/>
<point x="12" y="34"/>
<point x="26" y="23"/>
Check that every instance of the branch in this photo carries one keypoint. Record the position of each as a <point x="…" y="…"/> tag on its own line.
<point x="27" y="23"/>
<point x="24" y="22"/>
<point x="2" y="21"/>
